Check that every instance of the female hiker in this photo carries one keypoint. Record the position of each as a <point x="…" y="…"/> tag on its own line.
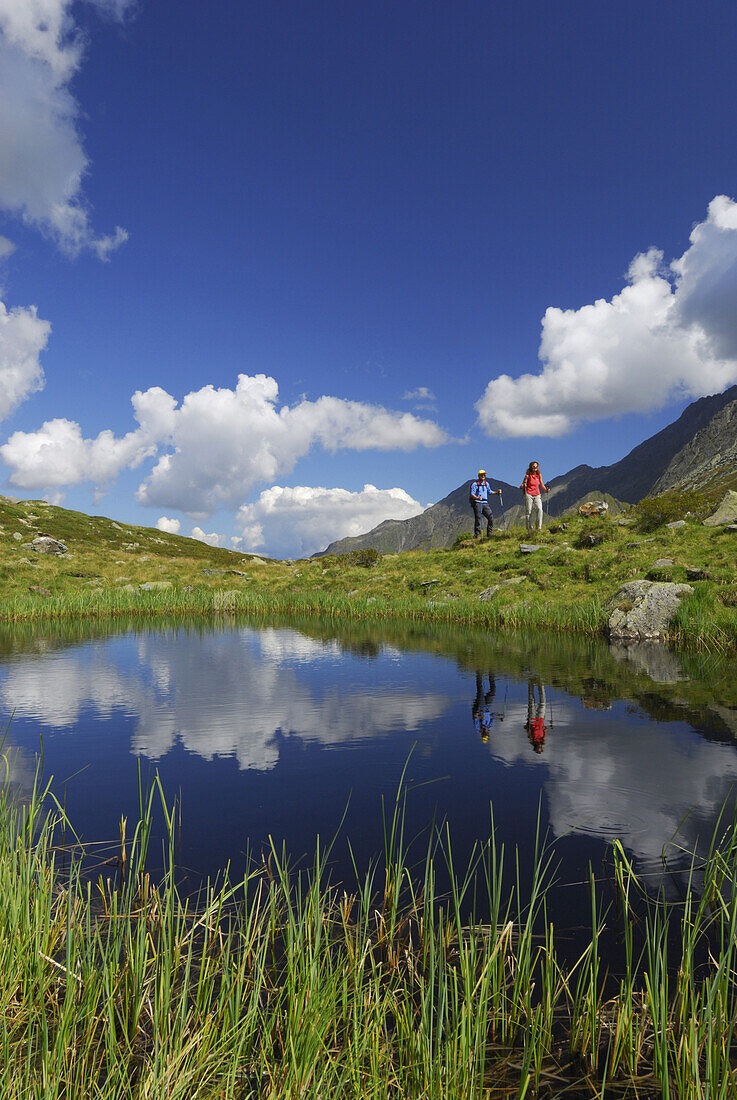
<point x="531" y="486"/>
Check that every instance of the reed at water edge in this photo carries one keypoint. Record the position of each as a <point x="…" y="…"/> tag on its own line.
<point x="285" y="985"/>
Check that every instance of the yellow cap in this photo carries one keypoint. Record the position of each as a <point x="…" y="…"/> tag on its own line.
<point x="482" y="473"/>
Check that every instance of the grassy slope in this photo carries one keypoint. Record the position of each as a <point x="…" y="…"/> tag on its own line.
<point x="564" y="585"/>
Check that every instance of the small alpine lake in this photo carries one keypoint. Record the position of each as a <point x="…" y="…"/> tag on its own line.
<point x="293" y="729"/>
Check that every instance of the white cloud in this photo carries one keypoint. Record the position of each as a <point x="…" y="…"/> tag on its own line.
<point x="57" y="455"/>
<point x="7" y="248"/>
<point x="422" y="393"/>
<point x="42" y="160"/>
<point x="23" y="336"/>
<point x="297" y="522"/>
<point x="226" y="441"/>
<point x="170" y="526"/>
<point x="422" y="398"/>
<point x="219" y="443"/>
<point x="212" y="539"/>
<point x="671" y="332"/>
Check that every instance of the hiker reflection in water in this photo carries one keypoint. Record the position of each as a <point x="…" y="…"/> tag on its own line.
<point x="482" y="714"/>
<point x="535" y="724"/>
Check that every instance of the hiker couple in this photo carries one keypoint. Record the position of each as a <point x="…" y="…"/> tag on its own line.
<point x="532" y="486"/>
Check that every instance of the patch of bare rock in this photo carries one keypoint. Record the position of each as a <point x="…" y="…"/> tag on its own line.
<point x="645" y="609"/>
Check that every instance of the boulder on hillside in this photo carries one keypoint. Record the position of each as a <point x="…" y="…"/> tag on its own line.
<point x="725" y="513"/>
<point x="44" y="544"/>
<point x="645" y="609"/>
<point x="593" y="508"/>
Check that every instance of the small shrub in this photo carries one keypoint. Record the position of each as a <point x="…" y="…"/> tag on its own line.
<point x="366" y="558"/>
<point x="728" y="596"/>
<point x="462" y="541"/>
<point x="666" y="573"/>
<point x="594" y="532"/>
<point x="653" y="512"/>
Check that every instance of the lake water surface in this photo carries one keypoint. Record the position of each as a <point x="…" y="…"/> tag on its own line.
<point x="293" y="729"/>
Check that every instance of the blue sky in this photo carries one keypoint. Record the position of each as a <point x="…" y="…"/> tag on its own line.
<point x="427" y="237"/>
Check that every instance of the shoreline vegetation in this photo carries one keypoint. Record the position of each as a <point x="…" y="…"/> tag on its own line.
<point x="566" y="586"/>
<point x="112" y="983"/>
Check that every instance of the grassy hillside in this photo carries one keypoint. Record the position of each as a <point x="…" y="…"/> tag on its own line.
<point x="566" y="585"/>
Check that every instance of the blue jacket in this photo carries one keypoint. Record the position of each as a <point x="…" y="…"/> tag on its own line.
<point x="480" y="489"/>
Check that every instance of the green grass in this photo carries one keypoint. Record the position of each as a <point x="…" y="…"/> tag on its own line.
<point x="565" y="586"/>
<point x="287" y="985"/>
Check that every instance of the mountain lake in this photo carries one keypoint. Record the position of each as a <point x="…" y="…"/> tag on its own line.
<point x="274" y="732"/>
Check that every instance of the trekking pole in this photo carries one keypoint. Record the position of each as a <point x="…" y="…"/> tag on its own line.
<point x="501" y="501"/>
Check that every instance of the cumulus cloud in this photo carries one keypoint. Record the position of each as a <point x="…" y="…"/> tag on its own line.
<point x="42" y="159"/>
<point x="23" y="336"/>
<point x="170" y="526"/>
<point x="7" y="248"/>
<point x="213" y="539"/>
<point x="57" y="455"/>
<point x="298" y="522"/>
<point x="213" y="448"/>
<point x="227" y="441"/>
<point x="670" y="333"/>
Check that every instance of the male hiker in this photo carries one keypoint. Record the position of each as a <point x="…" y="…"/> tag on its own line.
<point x="479" y="497"/>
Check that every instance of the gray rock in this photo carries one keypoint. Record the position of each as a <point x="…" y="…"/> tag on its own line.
<point x="693" y="573"/>
<point x="591" y="540"/>
<point x="529" y="548"/>
<point x="676" y="524"/>
<point x="506" y="583"/>
<point x="44" y="544"/>
<point x="149" y="586"/>
<point x="725" y="513"/>
<point x="426" y="584"/>
<point x="17" y="536"/>
<point x="645" y="609"/>
<point x="38" y="590"/>
<point x="661" y="563"/>
<point x="214" y="572"/>
<point x="632" y="545"/>
<point x="730" y="527"/>
<point x="119" y="580"/>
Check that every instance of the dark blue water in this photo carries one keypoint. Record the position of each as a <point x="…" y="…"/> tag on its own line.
<point x="289" y="731"/>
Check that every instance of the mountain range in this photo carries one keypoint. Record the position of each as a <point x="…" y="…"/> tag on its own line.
<point x="698" y="448"/>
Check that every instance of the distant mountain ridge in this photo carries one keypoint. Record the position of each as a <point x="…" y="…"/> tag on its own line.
<point x="697" y="447"/>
